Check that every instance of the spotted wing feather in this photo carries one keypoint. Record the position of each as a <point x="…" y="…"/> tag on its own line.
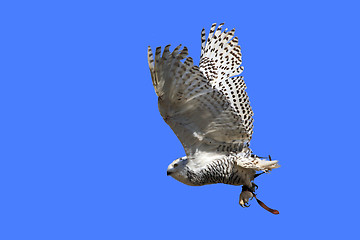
<point x="200" y="114"/>
<point x="220" y="63"/>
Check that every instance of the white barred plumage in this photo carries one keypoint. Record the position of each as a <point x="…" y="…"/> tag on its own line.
<point x="209" y="111"/>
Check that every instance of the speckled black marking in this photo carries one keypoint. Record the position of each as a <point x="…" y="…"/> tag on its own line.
<point x="221" y="171"/>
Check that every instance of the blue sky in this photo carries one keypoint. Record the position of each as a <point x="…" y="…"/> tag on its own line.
<point x="84" y="150"/>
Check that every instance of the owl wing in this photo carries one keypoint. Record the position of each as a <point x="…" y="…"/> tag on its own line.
<point x="206" y="107"/>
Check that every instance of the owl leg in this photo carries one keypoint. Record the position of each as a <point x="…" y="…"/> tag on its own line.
<point x="258" y="174"/>
<point x="246" y="194"/>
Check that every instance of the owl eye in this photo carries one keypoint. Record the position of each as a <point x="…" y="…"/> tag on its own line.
<point x="175" y="165"/>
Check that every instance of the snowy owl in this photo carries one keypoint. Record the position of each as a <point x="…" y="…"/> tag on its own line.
<point x="209" y="111"/>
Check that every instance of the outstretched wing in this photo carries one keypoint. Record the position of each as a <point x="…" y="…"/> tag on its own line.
<point x="206" y="111"/>
<point x="220" y="61"/>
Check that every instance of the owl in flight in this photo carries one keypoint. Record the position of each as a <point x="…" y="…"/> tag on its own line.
<point x="209" y="111"/>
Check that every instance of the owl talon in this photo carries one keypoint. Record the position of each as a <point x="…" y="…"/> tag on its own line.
<point x="245" y="205"/>
<point x="244" y="198"/>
